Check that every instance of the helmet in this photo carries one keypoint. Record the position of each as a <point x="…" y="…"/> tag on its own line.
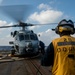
<point x="65" y="26"/>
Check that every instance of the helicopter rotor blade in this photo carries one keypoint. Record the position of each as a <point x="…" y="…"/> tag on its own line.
<point x="8" y="26"/>
<point x="22" y="24"/>
<point x="16" y="12"/>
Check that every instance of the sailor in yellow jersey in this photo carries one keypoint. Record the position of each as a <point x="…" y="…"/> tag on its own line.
<point x="61" y="51"/>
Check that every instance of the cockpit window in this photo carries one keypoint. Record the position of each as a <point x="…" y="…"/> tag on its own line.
<point x="27" y="37"/>
<point x="21" y="37"/>
<point x="33" y="37"/>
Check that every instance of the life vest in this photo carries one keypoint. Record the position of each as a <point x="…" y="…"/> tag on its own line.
<point x="64" y="56"/>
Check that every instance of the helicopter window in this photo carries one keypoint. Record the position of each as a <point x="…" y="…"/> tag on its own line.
<point x="33" y="37"/>
<point x="21" y="37"/>
<point x="27" y="37"/>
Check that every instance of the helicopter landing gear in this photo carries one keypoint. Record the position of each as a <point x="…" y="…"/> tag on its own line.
<point x="42" y="47"/>
<point x="12" y="52"/>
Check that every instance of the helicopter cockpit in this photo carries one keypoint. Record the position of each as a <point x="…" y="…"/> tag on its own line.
<point x="27" y="37"/>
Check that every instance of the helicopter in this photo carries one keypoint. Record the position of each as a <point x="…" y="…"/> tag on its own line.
<point x="26" y="42"/>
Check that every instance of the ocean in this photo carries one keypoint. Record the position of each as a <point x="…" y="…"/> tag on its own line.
<point x="5" y="47"/>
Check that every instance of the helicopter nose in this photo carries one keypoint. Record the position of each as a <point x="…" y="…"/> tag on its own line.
<point x="29" y="47"/>
<point x="29" y="44"/>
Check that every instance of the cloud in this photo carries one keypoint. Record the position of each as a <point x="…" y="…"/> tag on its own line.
<point x="47" y="36"/>
<point x="4" y="23"/>
<point x="44" y="6"/>
<point x="48" y="15"/>
<point x="5" y="40"/>
<point x="34" y="27"/>
<point x="4" y="33"/>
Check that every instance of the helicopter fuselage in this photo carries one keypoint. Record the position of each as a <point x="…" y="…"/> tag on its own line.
<point x="25" y="42"/>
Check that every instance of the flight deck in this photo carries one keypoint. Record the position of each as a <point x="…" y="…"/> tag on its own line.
<point x="22" y="65"/>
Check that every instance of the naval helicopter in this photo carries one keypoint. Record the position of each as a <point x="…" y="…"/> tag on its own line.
<point x="26" y="42"/>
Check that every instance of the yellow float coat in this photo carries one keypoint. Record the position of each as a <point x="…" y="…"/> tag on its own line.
<point x="64" y="56"/>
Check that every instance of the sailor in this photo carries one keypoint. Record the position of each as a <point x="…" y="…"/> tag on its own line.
<point x="60" y="53"/>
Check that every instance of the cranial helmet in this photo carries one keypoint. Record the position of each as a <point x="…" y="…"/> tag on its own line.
<point x="65" y="26"/>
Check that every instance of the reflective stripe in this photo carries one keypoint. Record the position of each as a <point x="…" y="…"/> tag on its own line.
<point x="65" y="43"/>
<point x="64" y="56"/>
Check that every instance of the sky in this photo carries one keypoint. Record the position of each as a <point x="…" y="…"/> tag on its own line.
<point x="40" y="12"/>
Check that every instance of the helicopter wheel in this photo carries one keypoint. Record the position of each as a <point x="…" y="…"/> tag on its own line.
<point x="12" y="52"/>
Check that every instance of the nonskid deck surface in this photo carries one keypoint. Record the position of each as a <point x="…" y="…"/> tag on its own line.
<point x="22" y="66"/>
